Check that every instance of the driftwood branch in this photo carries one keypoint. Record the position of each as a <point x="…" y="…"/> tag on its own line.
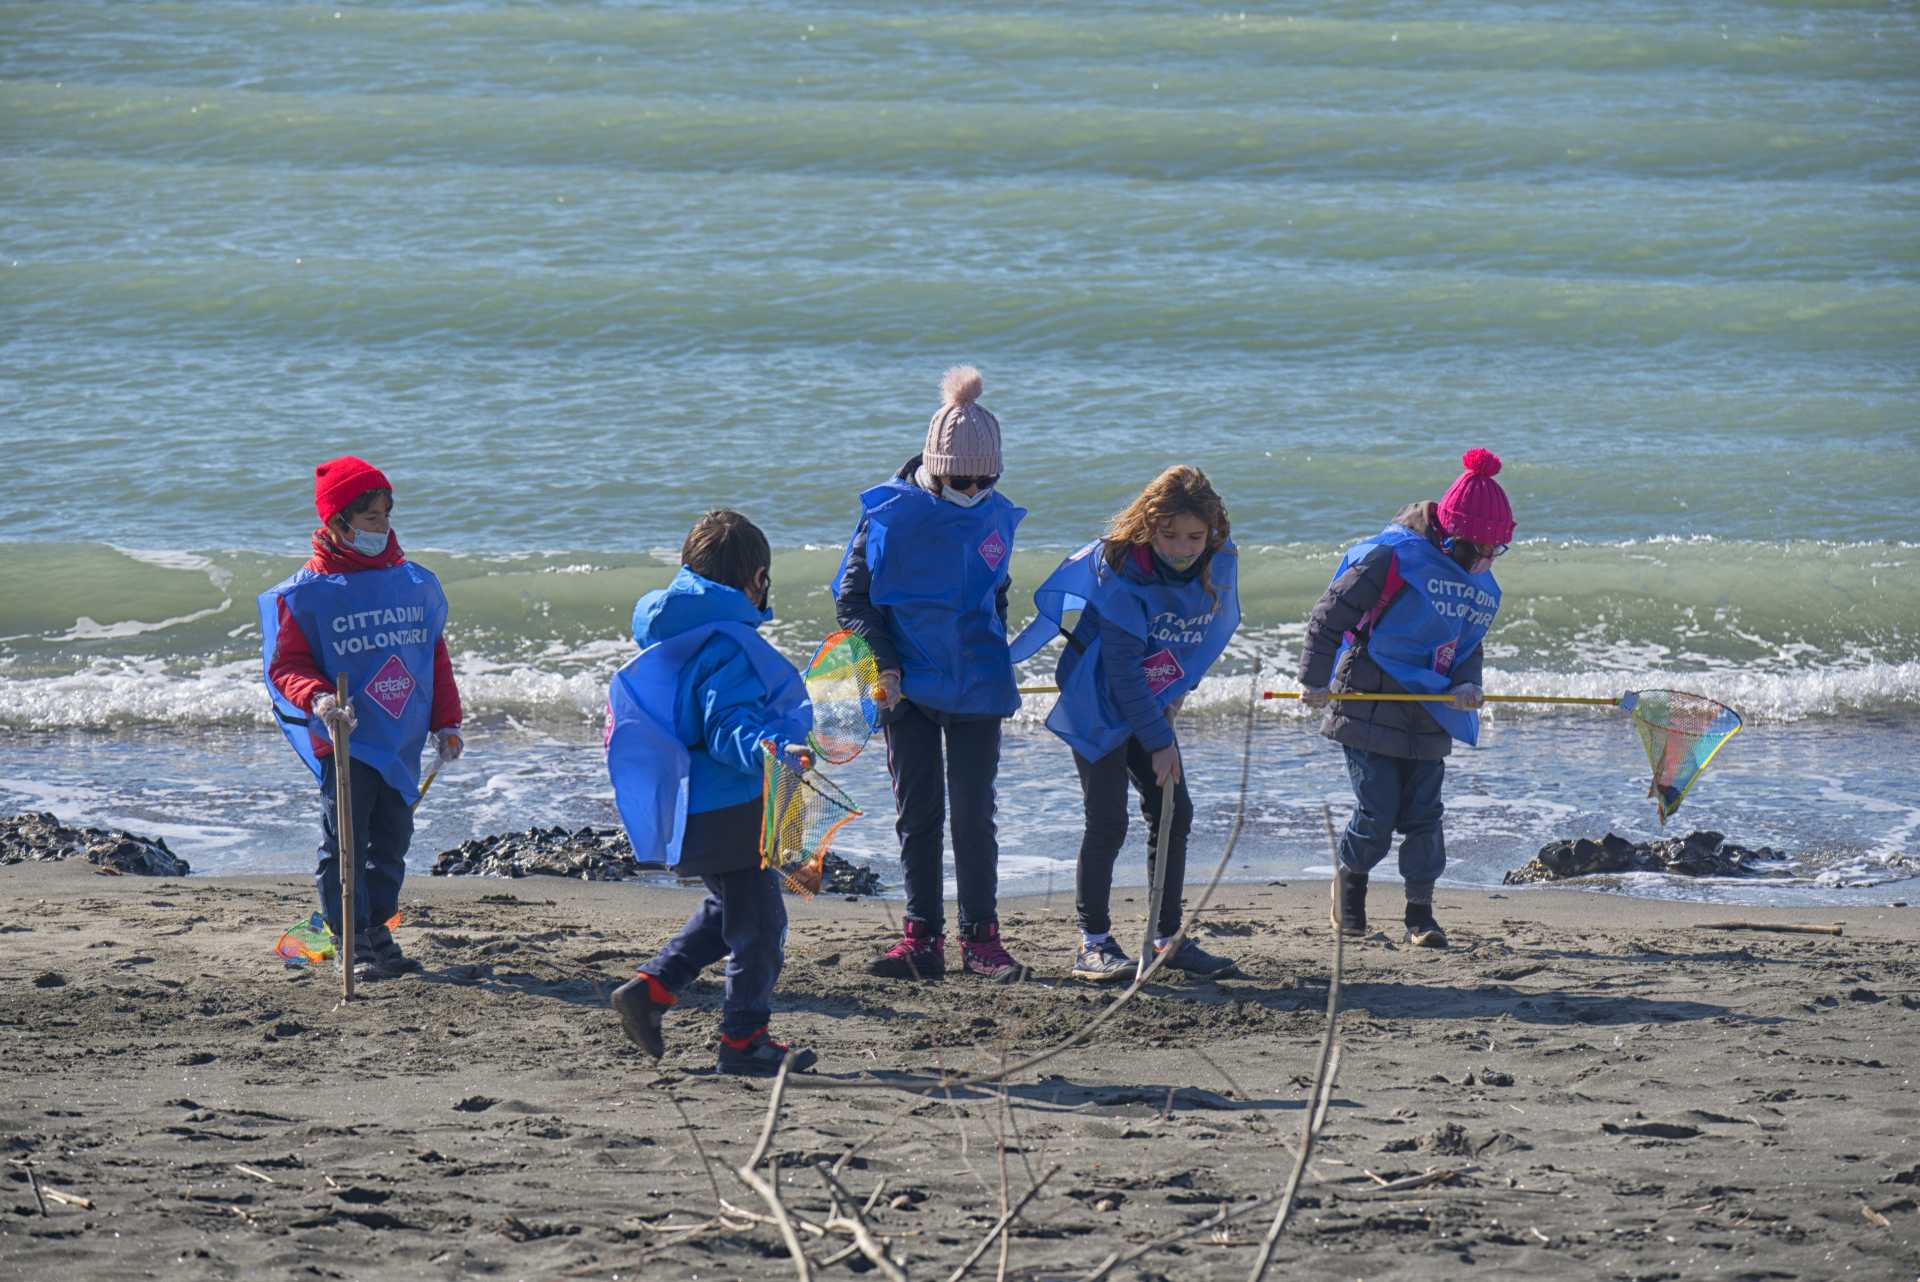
<point x="1324" y="1075"/>
<point x="1005" y="1222"/>
<point x="847" y="1218"/>
<point x="1780" y="928"/>
<point x="750" y="1176"/>
<point x="1218" y="1219"/>
<point x="33" y="1182"/>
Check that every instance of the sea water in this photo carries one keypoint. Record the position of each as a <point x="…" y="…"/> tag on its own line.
<point x="573" y="274"/>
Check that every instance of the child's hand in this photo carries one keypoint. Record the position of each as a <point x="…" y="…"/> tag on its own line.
<point x="337" y="716"/>
<point x="1173" y="709"/>
<point x="1467" y="696"/>
<point x="1316" y="696"/>
<point x="449" y="744"/>
<point x="1166" y="765"/>
<point x="886" y="692"/>
<point x="801" y="754"/>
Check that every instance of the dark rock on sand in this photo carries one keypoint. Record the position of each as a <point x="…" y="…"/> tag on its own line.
<point x="1698" y="854"/>
<point x="596" y="854"/>
<point x="43" y="837"/>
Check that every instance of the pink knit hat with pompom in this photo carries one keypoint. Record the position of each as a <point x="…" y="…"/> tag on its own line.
<point x="963" y="439"/>
<point x="1474" y="507"/>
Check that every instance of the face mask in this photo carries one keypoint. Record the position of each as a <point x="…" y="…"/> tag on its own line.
<point x="366" y="542"/>
<point x="958" y="499"/>
<point x="1179" y="563"/>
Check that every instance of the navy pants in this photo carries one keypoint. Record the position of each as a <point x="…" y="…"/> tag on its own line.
<point x="382" y="831"/>
<point x="1103" y="784"/>
<point x="742" y="915"/>
<point x="925" y="780"/>
<point x="1396" y="794"/>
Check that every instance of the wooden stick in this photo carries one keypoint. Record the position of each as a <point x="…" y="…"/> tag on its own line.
<point x="1005" y="1222"/>
<point x="258" y="1175"/>
<point x="69" y="1199"/>
<point x="343" y="830"/>
<point x="1781" y="928"/>
<point x="1214" y="1221"/>
<point x="1447" y="698"/>
<point x="848" y="1220"/>
<point x="1324" y="1076"/>
<point x="699" y="1148"/>
<point x="750" y="1176"/>
<point x="32" y="1183"/>
<point x="1159" y="887"/>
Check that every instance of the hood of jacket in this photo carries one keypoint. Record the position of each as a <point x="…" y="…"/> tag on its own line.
<point x="1422" y="518"/>
<point x="691" y="601"/>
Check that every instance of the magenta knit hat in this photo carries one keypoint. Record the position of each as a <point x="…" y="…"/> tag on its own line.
<point x="1474" y="507"/>
<point x="963" y="439"/>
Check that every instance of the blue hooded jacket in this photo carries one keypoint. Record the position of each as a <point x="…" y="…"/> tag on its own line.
<point x="722" y="705"/>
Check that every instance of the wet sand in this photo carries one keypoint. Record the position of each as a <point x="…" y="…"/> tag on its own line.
<point x="1597" y="1087"/>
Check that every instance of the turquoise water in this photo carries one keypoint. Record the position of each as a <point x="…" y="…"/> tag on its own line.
<point x="574" y="273"/>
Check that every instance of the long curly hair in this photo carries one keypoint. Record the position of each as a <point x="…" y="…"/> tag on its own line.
<point x="1178" y="491"/>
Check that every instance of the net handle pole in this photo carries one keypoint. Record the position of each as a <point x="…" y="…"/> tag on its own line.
<point x="343" y="832"/>
<point x="1582" y="700"/>
<point x="1158" y="888"/>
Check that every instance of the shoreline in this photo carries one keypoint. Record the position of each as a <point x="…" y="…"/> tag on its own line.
<point x="1595" y="1084"/>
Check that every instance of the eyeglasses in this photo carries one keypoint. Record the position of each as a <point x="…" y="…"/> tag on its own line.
<point x="970" y="482"/>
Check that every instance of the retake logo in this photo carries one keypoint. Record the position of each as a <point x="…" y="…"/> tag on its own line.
<point x="1162" y="670"/>
<point x="391" y="687"/>
<point x="994" y="550"/>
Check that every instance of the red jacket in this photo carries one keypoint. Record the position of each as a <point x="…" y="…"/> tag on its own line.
<point x="297" y="675"/>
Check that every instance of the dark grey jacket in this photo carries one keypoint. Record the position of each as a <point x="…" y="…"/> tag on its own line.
<point x="859" y="615"/>
<point x="1392" y="729"/>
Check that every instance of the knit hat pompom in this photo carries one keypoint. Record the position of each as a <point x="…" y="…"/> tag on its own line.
<point x="1475" y="507"/>
<point x="960" y="386"/>
<point x="963" y="438"/>
<point x="1481" y="462"/>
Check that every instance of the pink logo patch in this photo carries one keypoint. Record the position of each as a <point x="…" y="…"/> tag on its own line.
<point x="994" y="550"/>
<point x="1443" y="658"/>
<point x="1162" y="670"/>
<point x="391" y="687"/>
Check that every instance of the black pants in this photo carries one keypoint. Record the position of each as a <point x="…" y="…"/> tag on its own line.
<point x="382" y="831"/>
<point x="924" y="778"/>
<point x="1104" y="786"/>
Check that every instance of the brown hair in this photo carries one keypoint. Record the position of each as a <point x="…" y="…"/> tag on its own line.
<point x="727" y="548"/>
<point x="1178" y="491"/>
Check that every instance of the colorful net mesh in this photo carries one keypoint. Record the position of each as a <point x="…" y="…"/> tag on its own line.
<point x="1681" y="732"/>
<point x="801" y="810"/>
<point x="309" y="943"/>
<point x="840" y="682"/>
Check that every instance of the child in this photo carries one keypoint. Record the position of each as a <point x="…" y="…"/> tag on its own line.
<point x="1406" y="612"/>
<point x="1161" y="601"/>
<point x="686" y="721"/>
<point x="924" y="580"/>
<point x="360" y="607"/>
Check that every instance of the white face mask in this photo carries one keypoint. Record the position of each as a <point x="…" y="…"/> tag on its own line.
<point x="366" y="542"/>
<point x="958" y="499"/>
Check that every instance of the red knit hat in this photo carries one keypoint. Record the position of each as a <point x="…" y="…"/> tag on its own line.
<point x="1474" y="507"/>
<point x="338" y="482"/>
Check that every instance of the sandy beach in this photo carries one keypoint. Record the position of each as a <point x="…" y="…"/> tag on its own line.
<point x="1592" y="1086"/>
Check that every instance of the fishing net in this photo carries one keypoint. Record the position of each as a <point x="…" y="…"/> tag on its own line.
<point x="309" y="943"/>
<point x="801" y="810"/>
<point x="1681" y="733"/>
<point x="840" y="683"/>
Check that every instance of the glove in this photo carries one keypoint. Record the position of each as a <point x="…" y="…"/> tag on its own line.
<point x="334" y="714"/>
<point x="1316" y="696"/>
<point x="1467" y="696"/>
<point x="801" y="754"/>
<point x="449" y="744"/>
<point x="887" y="692"/>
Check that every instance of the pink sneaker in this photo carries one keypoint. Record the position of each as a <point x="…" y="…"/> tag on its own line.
<point x="983" y="956"/>
<point x="920" y="954"/>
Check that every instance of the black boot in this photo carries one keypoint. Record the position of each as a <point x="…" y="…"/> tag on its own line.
<point x="640" y="1003"/>
<point x="759" y="1056"/>
<point x="1422" y="930"/>
<point x="1349" y="914"/>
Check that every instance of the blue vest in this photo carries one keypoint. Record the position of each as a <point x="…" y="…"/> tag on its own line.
<point x="1184" y="630"/>
<point x="649" y="765"/>
<point x="937" y="568"/>
<point x="1438" y="617"/>
<point x="379" y="627"/>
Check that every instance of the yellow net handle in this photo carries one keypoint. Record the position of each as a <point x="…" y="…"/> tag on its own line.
<point x="1409" y="698"/>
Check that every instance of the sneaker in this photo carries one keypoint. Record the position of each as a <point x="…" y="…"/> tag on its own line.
<point x="983" y="955"/>
<point x="1422" y="930"/>
<point x="758" y="1055"/>
<point x="640" y="1004"/>
<point x="920" y="954"/>
<point x="1196" y="960"/>
<point x="365" y="967"/>
<point x="1349" y="914"/>
<point x="384" y="951"/>
<point x="1102" y="963"/>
